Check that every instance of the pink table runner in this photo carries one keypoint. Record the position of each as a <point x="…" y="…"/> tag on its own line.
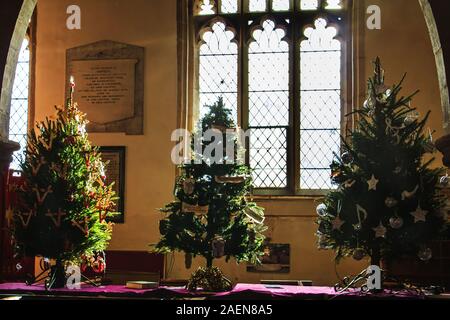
<point x="240" y="291"/>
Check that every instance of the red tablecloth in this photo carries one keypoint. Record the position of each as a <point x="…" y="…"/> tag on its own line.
<point x="240" y="291"/>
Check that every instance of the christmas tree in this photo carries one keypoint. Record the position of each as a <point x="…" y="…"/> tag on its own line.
<point x="64" y="201"/>
<point x="212" y="216"/>
<point x="388" y="200"/>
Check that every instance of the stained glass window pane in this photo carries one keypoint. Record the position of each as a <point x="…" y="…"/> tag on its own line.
<point x="309" y="4"/>
<point x="18" y="122"/>
<point x="268" y="63"/>
<point x="334" y="4"/>
<point x="229" y="6"/>
<point x="320" y="114"/>
<point x="204" y="7"/>
<point x="281" y="5"/>
<point x="257" y="5"/>
<point x="218" y="68"/>
<point x="268" y="157"/>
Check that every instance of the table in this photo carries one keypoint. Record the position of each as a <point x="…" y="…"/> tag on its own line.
<point x="239" y="292"/>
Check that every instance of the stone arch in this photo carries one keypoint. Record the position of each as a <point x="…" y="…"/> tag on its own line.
<point x="440" y="61"/>
<point x="26" y="11"/>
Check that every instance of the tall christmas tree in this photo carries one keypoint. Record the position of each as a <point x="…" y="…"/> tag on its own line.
<point x="388" y="202"/>
<point x="212" y="216"/>
<point x="64" y="201"/>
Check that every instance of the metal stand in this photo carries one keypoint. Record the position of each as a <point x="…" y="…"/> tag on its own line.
<point x="49" y="276"/>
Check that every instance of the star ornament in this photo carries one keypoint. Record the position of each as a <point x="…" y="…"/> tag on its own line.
<point x="372" y="183"/>
<point x="337" y="223"/>
<point x="419" y="215"/>
<point x="9" y="216"/>
<point x="380" y="231"/>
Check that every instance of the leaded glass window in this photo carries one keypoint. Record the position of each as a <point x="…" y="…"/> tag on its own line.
<point x="18" y="121"/>
<point x="278" y="64"/>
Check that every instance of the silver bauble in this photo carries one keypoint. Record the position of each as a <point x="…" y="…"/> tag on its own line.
<point x="425" y="254"/>
<point x="347" y="158"/>
<point x="322" y="210"/>
<point x="396" y="222"/>
<point x="390" y="202"/>
<point x="359" y="254"/>
<point x="444" y="181"/>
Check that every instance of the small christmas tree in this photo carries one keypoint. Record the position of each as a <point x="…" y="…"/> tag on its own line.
<point x="64" y="201"/>
<point x="211" y="216"/>
<point x="388" y="201"/>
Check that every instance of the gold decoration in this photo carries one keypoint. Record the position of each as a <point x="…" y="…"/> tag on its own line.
<point x="409" y="194"/>
<point x="83" y="226"/>
<point x="9" y="216"/>
<point x="41" y="198"/>
<point x="27" y="215"/>
<point x="58" y="215"/>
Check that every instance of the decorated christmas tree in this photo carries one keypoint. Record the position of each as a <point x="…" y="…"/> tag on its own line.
<point x="212" y="216"/>
<point x="64" y="201"/>
<point x="387" y="203"/>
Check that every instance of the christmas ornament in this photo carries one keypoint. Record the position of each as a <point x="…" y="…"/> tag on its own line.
<point x="218" y="247"/>
<point x="372" y="183"/>
<point x="58" y="215"/>
<point x="425" y="254"/>
<point x="445" y="181"/>
<point x="188" y="260"/>
<point x="19" y="267"/>
<point x="198" y="210"/>
<point x="390" y="202"/>
<point x="359" y="254"/>
<point x="39" y="196"/>
<point x="347" y="158"/>
<point x="393" y="130"/>
<point x="349" y="183"/>
<point x="398" y="170"/>
<point x="9" y="216"/>
<point x="409" y="194"/>
<point x="380" y="231"/>
<point x="35" y="168"/>
<point x="419" y="215"/>
<point x="337" y="223"/>
<point x="255" y="215"/>
<point x="25" y="218"/>
<point x="322" y="210"/>
<point x="368" y="104"/>
<point x="361" y="213"/>
<point x="411" y="118"/>
<point x="396" y="222"/>
<point x="47" y="145"/>
<point x="228" y="179"/>
<point x="83" y="226"/>
<point x="381" y="89"/>
<point x="189" y="186"/>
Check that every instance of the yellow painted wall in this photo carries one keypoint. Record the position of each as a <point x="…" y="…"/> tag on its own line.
<point x="402" y="43"/>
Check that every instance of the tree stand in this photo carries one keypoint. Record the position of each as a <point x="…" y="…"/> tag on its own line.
<point x="54" y="277"/>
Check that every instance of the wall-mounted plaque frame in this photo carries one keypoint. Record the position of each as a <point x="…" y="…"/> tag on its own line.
<point x="109" y="79"/>
<point x="115" y="172"/>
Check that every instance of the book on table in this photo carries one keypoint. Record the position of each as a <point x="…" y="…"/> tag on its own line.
<point x="142" y="285"/>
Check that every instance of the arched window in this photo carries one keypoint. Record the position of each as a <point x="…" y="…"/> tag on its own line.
<point x="281" y="66"/>
<point x="18" y="119"/>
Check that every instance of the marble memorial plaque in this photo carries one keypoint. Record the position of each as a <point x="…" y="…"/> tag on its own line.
<point x="109" y="85"/>
<point x="105" y="88"/>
